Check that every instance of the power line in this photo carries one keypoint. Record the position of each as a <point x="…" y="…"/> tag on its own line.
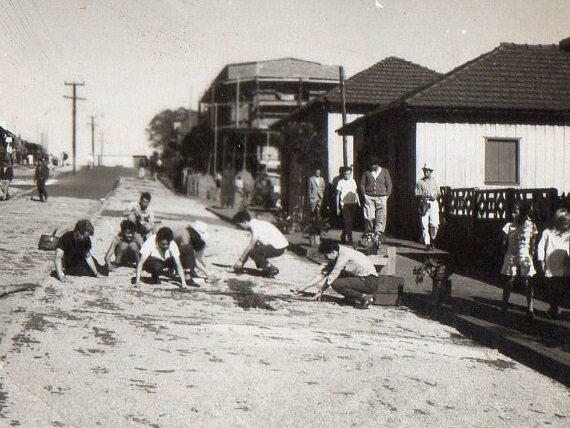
<point x="74" y="98"/>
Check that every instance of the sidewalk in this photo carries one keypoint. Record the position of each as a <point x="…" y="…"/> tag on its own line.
<point x="475" y="307"/>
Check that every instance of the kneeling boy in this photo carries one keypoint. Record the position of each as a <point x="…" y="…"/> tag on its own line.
<point x="123" y="246"/>
<point x="359" y="279"/>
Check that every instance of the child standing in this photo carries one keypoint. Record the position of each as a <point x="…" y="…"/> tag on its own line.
<point x="553" y="256"/>
<point x="519" y="239"/>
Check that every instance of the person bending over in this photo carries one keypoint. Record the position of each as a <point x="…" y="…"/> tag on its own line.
<point x="191" y="242"/>
<point x="73" y="253"/>
<point x="159" y="253"/>
<point x="348" y="272"/>
<point x="123" y="246"/>
<point x="266" y="242"/>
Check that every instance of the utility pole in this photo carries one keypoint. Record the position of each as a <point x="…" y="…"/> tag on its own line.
<point x="74" y="98"/>
<point x="92" y="141"/>
<point x="343" y="103"/>
<point x="101" y="154"/>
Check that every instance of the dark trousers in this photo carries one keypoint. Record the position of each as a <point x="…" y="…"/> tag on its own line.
<point x="81" y="268"/>
<point x="348" y="215"/>
<point x="260" y="253"/>
<point x="156" y="266"/>
<point x="355" y="286"/>
<point x="42" y="191"/>
<point x="557" y="291"/>
<point x="188" y="258"/>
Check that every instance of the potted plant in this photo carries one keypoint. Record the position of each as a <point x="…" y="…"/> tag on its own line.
<point x="314" y="226"/>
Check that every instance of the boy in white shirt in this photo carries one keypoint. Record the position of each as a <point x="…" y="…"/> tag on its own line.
<point x="158" y="253"/>
<point x="266" y="242"/>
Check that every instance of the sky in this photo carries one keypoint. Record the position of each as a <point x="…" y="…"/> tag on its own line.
<point x="139" y="57"/>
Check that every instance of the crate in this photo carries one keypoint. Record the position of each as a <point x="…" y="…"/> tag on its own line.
<point x="384" y="260"/>
<point x="390" y="290"/>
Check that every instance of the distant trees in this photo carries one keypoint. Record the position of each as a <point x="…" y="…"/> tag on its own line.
<point x="166" y="128"/>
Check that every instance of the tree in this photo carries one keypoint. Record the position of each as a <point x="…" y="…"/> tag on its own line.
<point x="167" y="128"/>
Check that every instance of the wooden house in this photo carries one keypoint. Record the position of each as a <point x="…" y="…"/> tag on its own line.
<point x="501" y="120"/>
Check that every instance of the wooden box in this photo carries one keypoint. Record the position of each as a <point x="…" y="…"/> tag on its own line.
<point x="390" y="290"/>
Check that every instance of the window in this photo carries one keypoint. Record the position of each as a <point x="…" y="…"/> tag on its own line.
<point x="501" y="161"/>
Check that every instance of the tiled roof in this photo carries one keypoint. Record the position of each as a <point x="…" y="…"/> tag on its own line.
<point x="512" y="76"/>
<point x="383" y="83"/>
<point x="280" y="68"/>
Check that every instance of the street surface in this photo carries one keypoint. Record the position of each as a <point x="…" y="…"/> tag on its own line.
<point x="98" y="352"/>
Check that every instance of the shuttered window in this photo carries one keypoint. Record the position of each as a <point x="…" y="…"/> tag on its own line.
<point x="501" y="161"/>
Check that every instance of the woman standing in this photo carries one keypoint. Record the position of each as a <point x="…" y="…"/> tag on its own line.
<point x="348" y="203"/>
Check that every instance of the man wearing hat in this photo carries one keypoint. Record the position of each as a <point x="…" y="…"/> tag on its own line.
<point x="192" y="244"/>
<point x="427" y="192"/>
<point x="376" y="186"/>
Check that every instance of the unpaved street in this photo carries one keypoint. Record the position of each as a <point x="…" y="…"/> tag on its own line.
<point x="98" y="352"/>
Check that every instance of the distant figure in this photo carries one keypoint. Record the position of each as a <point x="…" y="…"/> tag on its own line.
<point x="218" y="181"/>
<point x="6" y="176"/>
<point x="73" y="253"/>
<point x="228" y="187"/>
<point x="553" y="254"/>
<point x="142" y="168"/>
<point x="90" y="162"/>
<point x="427" y="192"/>
<point x="348" y="203"/>
<point x="519" y="240"/>
<point x="154" y="166"/>
<point x="143" y="216"/>
<point x="266" y="242"/>
<point x="160" y="253"/>
<point x="376" y="186"/>
<point x="349" y="272"/>
<point x="41" y="176"/>
<point x="316" y="192"/>
<point x="191" y="242"/>
<point x="124" y="247"/>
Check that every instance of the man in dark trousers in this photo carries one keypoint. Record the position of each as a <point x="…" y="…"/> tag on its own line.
<point x="6" y="176"/>
<point x="41" y="177"/>
<point x="376" y="186"/>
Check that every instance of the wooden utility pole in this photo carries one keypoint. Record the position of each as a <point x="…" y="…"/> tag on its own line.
<point x="343" y="104"/>
<point x="92" y="140"/>
<point x="74" y="98"/>
<point x="101" y="154"/>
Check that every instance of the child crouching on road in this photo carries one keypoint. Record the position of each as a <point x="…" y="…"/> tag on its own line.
<point x="73" y="253"/>
<point x="159" y="253"/>
<point x="123" y="246"/>
<point x="553" y="255"/>
<point x="266" y="242"/>
<point x="349" y="272"/>
<point x="519" y="239"/>
<point x="191" y="242"/>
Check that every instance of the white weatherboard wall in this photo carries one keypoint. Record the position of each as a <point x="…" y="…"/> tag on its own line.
<point x="334" y="142"/>
<point x="457" y="153"/>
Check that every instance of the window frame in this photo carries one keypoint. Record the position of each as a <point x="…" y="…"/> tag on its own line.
<point x="517" y="181"/>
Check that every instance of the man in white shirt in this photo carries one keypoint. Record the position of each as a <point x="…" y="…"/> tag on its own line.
<point x="359" y="279"/>
<point x="143" y="216"/>
<point x="427" y="191"/>
<point x="266" y="242"/>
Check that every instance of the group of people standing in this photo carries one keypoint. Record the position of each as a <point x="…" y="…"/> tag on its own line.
<point x="371" y="196"/>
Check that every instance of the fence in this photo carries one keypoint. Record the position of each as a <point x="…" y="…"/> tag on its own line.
<point x="471" y="219"/>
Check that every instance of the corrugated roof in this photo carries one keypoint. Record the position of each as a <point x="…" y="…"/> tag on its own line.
<point x="281" y="68"/>
<point x="512" y="76"/>
<point x="383" y="82"/>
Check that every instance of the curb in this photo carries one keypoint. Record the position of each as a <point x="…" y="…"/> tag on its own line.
<point x="497" y="337"/>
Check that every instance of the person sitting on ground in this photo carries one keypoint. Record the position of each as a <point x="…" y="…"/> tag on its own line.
<point x="553" y="254"/>
<point x="191" y="242"/>
<point x="123" y="246"/>
<point x="73" y="253"/>
<point x="348" y="271"/>
<point x="142" y="215"/>
<point x="519" y="240"/>
<point x="158" y="254"/>
<point x="266" y="242"/>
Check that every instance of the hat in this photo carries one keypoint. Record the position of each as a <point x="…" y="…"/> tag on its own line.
<point x="201" y="228"/>
<point x="427" y="166"/>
